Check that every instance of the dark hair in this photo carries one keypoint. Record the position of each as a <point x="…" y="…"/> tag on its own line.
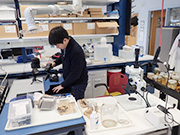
<point x="57" y="35"/>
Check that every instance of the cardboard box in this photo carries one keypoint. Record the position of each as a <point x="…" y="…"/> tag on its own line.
<point x="85" y="15"/>
<point x="23" y="7"/>
<point x="45" y="30"/>
<point x="63" y="15"/>
<point x="62" y="3"/>
<point x="52" y="25"/>
<point x="94" y="9"/>
<point x="84" y="28"/>
<point x="84" y="12"/>
<point x="96" y="12"/>
<point x="8" y="31"/>
<point x="97" y="15"/>
<point x="67" y="26"/>
<point x="106" y="27"/>
<point x="72" y="15"/>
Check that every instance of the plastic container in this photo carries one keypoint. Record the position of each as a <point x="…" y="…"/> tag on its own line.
<point x="94" y="120"/>
<point x="113" y="71"/>
<point x="103" y="51"/>
<point x="159" y="79"/>
<point x="109" y="114"/>
<point x="20" y="111"/>
<point x="172" y="84"/>
<point x="113" y="81"/>
<point x="164" y="79"/>
<point x="150" y="75"/>
<point x="156" y="71"/>
<point x="178" y="86"/>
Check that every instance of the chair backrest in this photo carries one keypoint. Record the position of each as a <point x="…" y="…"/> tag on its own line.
<point x="116" y="82"/>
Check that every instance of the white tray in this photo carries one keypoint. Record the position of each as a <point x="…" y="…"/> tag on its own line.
<point x="121" y="116"/>
<point x="46" y="117"/>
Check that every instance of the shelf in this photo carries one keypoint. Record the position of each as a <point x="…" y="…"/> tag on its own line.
<point x="40" y="41"/>
<point x="163" y="88"/>
<point x="74" y="36"/>
<point x="7" y="19"/>
<point x="73" y="18"/>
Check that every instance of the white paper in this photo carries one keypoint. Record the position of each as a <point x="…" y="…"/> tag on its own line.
<point x="67" y="26"/>
<point x="10" y="29"/>
<point x="90" y="25"/>
<point x="45" y="27"/>
<point x="20" y="109"/>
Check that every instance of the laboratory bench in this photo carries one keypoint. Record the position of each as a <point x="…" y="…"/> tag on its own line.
<point x="135" y="113"/>
<point x="17" y="69"/>
<point x="24" y="86"/>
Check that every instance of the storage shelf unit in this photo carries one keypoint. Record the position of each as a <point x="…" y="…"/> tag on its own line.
<point x="119" y="38"/>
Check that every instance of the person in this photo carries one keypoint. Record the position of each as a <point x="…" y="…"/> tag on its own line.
<point x="72" y="58"/>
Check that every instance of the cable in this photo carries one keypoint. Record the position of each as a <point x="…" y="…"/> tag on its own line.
<point x="125" y="89"/>
<point x="147" y="94"/>
<point x="147" y="104"/>
<point x="134" y="90"/>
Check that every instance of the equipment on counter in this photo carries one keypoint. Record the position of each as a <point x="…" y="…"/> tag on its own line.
<point x="136" y="82"/>
<point x="35" y="65"/>
<point x="46" y="102"/>
<point x="103" y="51"/>
<point x="109" y="113"/>
<point x="52" y="77"/>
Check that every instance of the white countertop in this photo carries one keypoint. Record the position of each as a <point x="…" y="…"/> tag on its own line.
<point x="140" y="124"/>
<point x="12" y="67"/>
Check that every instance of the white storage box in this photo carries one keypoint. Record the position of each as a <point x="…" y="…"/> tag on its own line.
<point x="19" y="113"/>
<point x="126" y="54"/>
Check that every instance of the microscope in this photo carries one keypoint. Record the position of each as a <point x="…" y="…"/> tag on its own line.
<point x="35" y="65"/>
<point x="136" y="82"/>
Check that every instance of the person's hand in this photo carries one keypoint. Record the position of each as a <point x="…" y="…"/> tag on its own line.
<point x="57" y="88"/>
<point x="53" y="63"/>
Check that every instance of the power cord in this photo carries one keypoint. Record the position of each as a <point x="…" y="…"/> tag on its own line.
<point x="133" y="89"/>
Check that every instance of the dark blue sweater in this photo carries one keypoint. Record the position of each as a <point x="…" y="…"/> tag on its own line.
<point x="74" y="64"/>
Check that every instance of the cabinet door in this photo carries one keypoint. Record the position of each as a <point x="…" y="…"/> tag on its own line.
<point x="101" y="90"/>
<point x="95" y="77"/>
<point x="88" y="92"/>
<point x="100" y="77"/>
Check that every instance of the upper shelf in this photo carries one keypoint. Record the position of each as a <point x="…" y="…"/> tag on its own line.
<point x="73" y="18"/>
<point x="7" y="19"/>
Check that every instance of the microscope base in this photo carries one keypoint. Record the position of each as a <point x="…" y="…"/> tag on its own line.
<point x="155" y="116"/>
<point x="132" y="104"/>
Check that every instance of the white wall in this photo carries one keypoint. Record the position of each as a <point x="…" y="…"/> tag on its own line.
<point x="143" y="8"/>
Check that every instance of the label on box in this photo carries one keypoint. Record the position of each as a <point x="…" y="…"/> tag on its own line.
<point x="90" y="25"/>
<point x="45" y="27"/>
<point x="10" y="29"/>
<point x="67" y="26"/>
